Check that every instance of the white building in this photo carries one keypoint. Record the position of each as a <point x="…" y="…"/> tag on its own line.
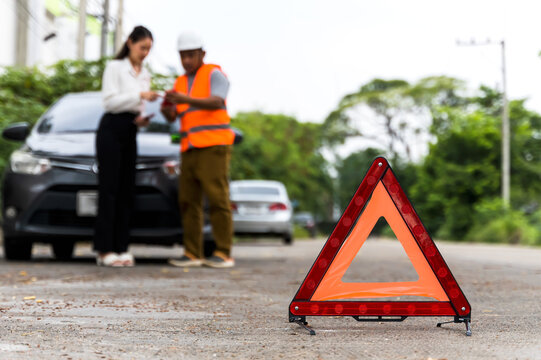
<point x="10" y="13"/>
<point x="42" y="32"/>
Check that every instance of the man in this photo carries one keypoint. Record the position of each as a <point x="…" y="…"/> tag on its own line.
<point x="198" y="100"/>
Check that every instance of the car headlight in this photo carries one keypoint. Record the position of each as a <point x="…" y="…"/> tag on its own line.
<point x="22" y="162"/>
<point x="171" y="167"/>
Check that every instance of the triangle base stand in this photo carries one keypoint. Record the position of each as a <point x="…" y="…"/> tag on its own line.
<point x="301" y="321"/>
<point x="458" y="320"/>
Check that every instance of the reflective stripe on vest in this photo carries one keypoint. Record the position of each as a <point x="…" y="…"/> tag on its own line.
<point x="201" y="128"/>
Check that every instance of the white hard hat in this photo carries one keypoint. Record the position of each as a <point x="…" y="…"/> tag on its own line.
<point x="189" y="41"/>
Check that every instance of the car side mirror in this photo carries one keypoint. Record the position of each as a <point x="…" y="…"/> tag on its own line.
<point x="16" y="132"/>
<point x="239" y="136"/>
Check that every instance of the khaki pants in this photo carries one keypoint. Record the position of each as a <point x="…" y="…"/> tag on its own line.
<point x="206" y="171"/>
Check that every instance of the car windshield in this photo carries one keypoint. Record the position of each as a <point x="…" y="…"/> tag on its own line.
<point x="256" y="190"/>
<point x="82" y="113"/>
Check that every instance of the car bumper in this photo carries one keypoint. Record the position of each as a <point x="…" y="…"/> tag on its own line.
<point x="46" y="206"/>
<point x="244" y="226"/>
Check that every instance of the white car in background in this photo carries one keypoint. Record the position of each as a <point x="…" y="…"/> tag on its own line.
<point x="261" y="208"/>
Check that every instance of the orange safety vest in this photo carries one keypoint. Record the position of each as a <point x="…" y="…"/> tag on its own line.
<point x="201" y="128"/>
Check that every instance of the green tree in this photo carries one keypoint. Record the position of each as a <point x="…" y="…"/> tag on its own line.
<point x="461" y="168"/>
<point x="75" y="76"/>
<point x="388" y="105"/>
<point x="23" y="97"/>
<point x="463" y="171"/>
<point x="351" y="171"/>
<point x="491" y="224"/>
<point x="393" y="114"/>
<point x="278" y="147"/>
<point x="458" y="183"/>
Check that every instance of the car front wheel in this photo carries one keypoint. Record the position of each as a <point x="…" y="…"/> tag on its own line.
<point x="17" y="249"/>
<point x="63" y="250"/>
<point x="288" y="239"/>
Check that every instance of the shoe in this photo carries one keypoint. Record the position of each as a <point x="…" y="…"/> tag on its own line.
<point x="216" y="261"/>
<point x="109" y="259"/>
<point x="127" y="259"/>
<point x="185" y="261"/>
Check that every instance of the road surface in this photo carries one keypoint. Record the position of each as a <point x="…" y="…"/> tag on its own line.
<point x="76" y="310"/>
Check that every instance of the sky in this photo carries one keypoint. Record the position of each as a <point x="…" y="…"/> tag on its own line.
<point x="300" y="57"/>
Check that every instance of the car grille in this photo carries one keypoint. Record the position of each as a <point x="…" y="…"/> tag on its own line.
<point x="66" y="188"/>
<point x="57" y="208"/>
<point x="140" y="219"/>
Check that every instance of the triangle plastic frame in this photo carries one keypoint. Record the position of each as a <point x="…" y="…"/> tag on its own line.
<point x="454" y="303"/>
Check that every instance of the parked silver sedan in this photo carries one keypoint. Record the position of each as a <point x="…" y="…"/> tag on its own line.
<point x="261" y="208"/>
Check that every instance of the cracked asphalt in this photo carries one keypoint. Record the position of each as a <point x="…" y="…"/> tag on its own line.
<point x="76" y="310"/>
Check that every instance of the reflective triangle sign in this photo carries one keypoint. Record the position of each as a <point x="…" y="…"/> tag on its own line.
<point x="324" y="293"/>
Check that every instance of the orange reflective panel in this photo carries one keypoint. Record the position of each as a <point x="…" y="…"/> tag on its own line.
<point x="332" y="287"/>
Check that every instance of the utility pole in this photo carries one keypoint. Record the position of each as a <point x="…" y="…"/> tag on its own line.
<point x="506" y="133"/>
<point x="21" y="43"/>
<point x="82" y="30"/>
<point x="118" y="29"/>
<point x="103" y="50"/>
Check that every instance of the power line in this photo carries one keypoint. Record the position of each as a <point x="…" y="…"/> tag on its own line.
<point x="23" y="6"/>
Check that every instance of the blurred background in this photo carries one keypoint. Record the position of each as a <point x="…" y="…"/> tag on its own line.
<point x="320" y="88"/>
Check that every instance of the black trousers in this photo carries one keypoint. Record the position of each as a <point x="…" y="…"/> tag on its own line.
<point x="116" y="151"/>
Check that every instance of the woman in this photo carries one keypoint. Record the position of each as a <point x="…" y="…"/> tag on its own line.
<point x="126" y="84"/>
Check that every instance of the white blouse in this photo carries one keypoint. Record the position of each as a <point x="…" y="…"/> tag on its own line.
<point x="122" y="87"/>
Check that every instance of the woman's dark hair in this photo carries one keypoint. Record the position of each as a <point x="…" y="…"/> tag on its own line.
<point x="138" y="33"/>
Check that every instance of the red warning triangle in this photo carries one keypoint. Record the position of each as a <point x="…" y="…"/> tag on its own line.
<point x="324" y="293"/>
